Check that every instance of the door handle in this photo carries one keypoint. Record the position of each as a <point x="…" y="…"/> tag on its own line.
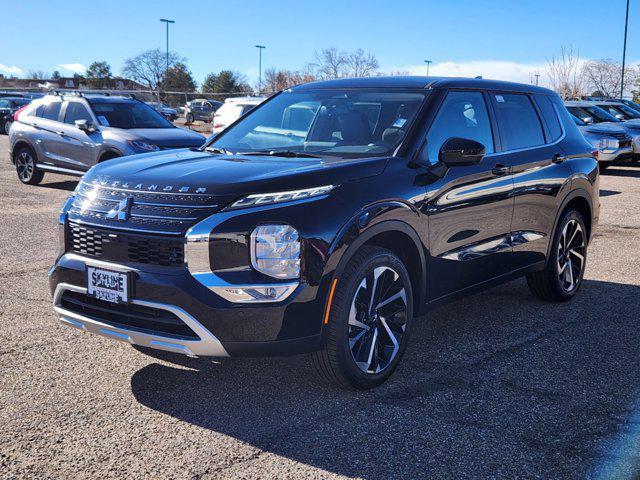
<point x="557" y="158"/>
<point x="61" y="133"/>
<point x="499" y="170"/>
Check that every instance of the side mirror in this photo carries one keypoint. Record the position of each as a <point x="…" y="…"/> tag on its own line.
<point x="85" y="126"/>
<point x="620" y="116"/>
<point x="588" y="120"/>
<point x="461" y="151"/>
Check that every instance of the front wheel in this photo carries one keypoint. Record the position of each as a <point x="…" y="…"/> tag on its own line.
<point x="7" y="126"/>
<point x="563" y="274"/>
<point x="26" y="167"/>
<point x="369" y="320"/>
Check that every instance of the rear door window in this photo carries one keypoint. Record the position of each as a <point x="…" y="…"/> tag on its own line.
<point x="519" y="124"/>
<point x="51" y="111"/>
<point x="463" y="115"/>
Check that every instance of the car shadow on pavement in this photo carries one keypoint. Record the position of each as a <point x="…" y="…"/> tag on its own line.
<point x="495" y="385"/>
<point x="68" y="185"/>
<point x="630" y="171"/>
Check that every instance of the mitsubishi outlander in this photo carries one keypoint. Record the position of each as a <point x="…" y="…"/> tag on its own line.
<point x="330" y="219"/>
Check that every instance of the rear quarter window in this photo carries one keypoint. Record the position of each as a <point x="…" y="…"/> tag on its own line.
<point x="550" y="117"/>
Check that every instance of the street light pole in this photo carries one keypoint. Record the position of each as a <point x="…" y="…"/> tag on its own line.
<point x="624" y="50"/>
<point x="167" y="22"/>
<point x="428" y="62"/>
<point x="260" y="48"/>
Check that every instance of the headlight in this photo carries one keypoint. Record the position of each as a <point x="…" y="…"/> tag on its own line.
<point x="148" y="147"/>
<point x="279" y="197"/>
<point x="608" y="143"/>
<point x="275" y="251"/>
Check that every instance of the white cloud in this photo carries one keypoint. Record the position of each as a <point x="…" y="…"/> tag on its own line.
<point x="11" y="70"/>
<point x="73" y="67"/>
<point x="491" y="69"/>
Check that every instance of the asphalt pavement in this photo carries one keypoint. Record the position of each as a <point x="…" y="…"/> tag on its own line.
<point x="499" y="385"/>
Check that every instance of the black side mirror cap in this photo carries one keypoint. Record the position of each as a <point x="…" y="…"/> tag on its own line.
<point x="461" y="151"/>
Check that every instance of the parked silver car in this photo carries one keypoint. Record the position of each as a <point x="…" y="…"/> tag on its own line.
<point x="612" y="142"/>
<point x="592" y="112"/>
<point x="71" y="133"/>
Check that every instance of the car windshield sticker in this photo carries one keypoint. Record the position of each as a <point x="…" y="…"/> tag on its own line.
<point x="103" y="120"/>
<point x="499" y="98"/>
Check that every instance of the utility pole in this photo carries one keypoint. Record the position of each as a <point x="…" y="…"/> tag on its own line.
<point x="260" y="48"/>
<point x="167" y="22"/>
<point x="624" y="50"/>
<point x="428" y="62"/>
<point x="537" y="75"/>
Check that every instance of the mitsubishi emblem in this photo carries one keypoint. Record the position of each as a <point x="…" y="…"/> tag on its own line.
<point x="122" y="212"/>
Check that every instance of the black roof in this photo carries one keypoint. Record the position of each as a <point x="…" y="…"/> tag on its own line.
<point x="424" y="82"/>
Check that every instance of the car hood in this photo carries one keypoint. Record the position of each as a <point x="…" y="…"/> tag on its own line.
<point x="164" y="137"/>
<point x="602" y="128"/>
<point x="232" y="175"/>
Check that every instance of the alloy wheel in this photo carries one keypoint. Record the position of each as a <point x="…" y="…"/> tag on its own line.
<point x="7" y="125"/>
<point x="377" y="320"/>
<point x="571" y="255"/>
<point x="25" y="166"/>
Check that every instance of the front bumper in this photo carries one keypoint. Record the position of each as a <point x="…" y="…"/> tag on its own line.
<point x="221" y="328"/>
<point x="608" y="155"/>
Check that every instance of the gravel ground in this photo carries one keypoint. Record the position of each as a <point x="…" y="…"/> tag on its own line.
<point x="499" y="385"/>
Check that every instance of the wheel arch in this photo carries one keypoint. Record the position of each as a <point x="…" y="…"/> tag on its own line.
<point x="400" y="238"/>
<point x="582" y="201"/>
<point x="20" y="144"/>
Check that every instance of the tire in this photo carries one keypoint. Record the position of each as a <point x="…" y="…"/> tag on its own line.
<point x="189" y="118"/>
<point x="562" y="276"/>
<point x="603" y="166"/>
<point x="6" y="127"/>
<point x="108" y="156"/>
<point x="25" y="161"/>
<point x="348" y="358"/>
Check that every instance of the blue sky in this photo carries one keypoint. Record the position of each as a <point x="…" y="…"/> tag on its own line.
<point x="496" y="39"/>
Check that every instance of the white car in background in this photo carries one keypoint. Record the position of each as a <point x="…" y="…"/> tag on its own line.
<point x="233" y="109"/>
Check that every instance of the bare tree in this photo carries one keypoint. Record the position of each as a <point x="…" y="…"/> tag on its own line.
<point x="606" y="76"/>
<point x="149" y="67"/>
<point x="565" y="74"/>
<point x="332" y="63"/>
<point x="276" y="80"/>
<point x="361" y="64"/>
<point x="38" y="75"/>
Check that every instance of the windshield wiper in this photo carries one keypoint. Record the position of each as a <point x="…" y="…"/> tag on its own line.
<point x="280" y="153"/>
<point x="218" y="150"/>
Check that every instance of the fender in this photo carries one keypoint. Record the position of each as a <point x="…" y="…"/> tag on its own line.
<point x="365" y="225"/>
<point x="581" y="193"/>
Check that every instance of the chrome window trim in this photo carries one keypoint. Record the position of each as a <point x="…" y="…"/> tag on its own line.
<point x="207" y="345"/>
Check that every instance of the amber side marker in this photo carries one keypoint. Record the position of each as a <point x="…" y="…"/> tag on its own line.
<point x="329" y="300"/>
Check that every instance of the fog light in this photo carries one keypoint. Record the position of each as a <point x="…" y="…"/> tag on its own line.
<point x="275" y="251"/>
<point x="255" y="293"/>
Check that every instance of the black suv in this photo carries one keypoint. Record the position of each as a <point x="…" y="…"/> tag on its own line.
<point x="328" y="219"/>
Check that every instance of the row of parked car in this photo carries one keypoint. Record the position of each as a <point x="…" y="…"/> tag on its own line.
<point x="69" y="133"/>
<point x="611" y="126"/>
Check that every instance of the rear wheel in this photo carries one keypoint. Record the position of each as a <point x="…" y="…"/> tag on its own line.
<point x="369" y="321"/>
<point x="562" y="276"/>
<point x="25" y="161"/>
<point x="7" y="126"/>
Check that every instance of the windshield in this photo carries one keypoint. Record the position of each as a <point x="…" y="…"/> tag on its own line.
<point x="628" y="112"/>
<point x="577" y="121"/>
<point x="19" y="102"/>
<point x="343" y="123"/>
<point x="600" y="115"/>
<point x="129" y="115"/>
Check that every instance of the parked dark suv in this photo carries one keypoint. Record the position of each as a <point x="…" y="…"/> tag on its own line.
<point x="328" y="219"/>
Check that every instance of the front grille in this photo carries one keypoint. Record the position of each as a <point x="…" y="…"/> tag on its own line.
<point x="142" y="210"/>
<point x="124" y="247"/>
<point x="130" y="316"/>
